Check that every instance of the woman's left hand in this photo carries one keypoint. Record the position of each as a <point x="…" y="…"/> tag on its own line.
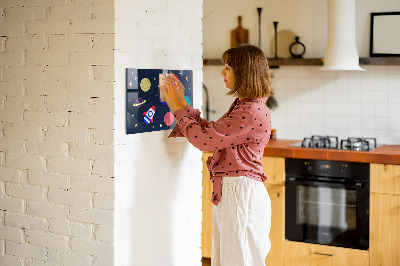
<point x="172" y="96"/>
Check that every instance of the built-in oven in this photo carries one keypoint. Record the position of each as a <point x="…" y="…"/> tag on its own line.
<point x="327" y="202"/>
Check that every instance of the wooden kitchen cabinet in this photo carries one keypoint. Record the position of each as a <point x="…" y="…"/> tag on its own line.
<point x="206" y="225"/>
<point x="384" y="237"/>
<point x="274" y="168"/>
<point x="385" y="178"/>
<point x="305" y="254"/>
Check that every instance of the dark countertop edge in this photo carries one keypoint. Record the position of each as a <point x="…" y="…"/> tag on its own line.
<point x="386" y="154"/>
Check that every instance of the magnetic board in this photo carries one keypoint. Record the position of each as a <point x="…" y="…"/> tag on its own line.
<point x="146" y="109"/>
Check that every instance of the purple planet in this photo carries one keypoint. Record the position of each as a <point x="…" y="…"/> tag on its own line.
<point x="139" y="102"/>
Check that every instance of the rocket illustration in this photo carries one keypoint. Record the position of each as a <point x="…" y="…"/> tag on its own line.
<point x="148" y="116"/>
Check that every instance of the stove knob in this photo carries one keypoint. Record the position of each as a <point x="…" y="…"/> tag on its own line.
<point x="343" y="168"/>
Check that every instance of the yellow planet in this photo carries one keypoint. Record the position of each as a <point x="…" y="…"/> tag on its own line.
<point x="145" y="84"/>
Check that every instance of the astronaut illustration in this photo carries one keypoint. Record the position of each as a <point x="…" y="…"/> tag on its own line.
<point x="149" y="115"/>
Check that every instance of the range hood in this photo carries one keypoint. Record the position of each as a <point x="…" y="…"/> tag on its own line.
<point x="341" y="51"/>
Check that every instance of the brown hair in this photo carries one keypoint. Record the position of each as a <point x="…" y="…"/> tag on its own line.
<point x="250" y="66"/>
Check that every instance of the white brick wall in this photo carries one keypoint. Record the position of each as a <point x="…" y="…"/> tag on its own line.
<point x="56" y="132"/>
<point x="62" y="139"/>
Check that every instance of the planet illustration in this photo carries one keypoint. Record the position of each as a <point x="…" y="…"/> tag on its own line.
<point x="145" y="84"/>
<point x="187" y="99"/>
<point x="169" y="118"/>
<point x="139" y="102"/>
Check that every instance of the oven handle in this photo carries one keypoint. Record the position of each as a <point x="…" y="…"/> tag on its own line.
<point x="357" y="185"/>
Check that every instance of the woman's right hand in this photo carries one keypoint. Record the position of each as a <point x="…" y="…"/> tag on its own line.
<point x="181" y="88"/>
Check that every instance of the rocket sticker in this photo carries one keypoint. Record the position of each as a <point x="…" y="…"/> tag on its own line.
<point x="149" y="115"/>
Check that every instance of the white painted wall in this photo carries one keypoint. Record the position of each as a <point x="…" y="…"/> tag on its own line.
<point x="305" y="18"/>
<point x="344" y="103"/>
<point x="158" y="180"/>
<point x="56" y="132"/>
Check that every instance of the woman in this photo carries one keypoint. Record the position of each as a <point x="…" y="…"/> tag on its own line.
<point x="242" y="208"/>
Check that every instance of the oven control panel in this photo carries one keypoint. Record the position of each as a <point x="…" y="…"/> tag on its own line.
<point x="337" y="169"/>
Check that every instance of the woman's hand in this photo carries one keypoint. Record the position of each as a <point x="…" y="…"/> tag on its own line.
<point x="174" y="93"/>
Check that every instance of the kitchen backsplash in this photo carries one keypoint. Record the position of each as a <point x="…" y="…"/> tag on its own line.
<point x="314" y="102"/>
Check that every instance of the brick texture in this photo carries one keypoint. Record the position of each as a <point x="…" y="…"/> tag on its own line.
<point x="47" y="78"/>
<point x="62" y="97"/>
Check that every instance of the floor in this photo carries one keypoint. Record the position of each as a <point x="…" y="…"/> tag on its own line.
<point x="206" y="261"/>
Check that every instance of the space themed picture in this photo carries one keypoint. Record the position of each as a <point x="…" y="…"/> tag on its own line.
<point x="146" y="109"/>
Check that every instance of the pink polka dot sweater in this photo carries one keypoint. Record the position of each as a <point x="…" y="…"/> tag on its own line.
<point x="238" y="139"/>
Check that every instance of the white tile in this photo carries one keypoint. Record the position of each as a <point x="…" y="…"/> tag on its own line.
<point x="317" y="95"/>
<point x="381" y="71"/>
<point x="329" y="109"/>
<point x="329" y="95"/>
<point x="342" y="81"/>
<point x="329" y="122"/>
<point x="355" y="122"/>
<point x="381" y="97"/>
<point x="382" y="136"/>
<point x="394" y="123"/>
<point x="303" y="82"/>
<point x="381" y="110"/>
<point x="367" y="96"/>
<point x="381" y="84"/>
<point x="355" y="96"/>
<point x="355" y="132"/>
<point x="355" y="109"/>
<point x="317" y="107"/>
<point x="342" y="109"/>
<point x="368" y="122"/>
<point x="316" y="72"/>
<point x="394" y="97"/>
<point x="316" y="82"/>
<point x="381" y="123"/>
<point x="291" y="71"/>
<point x="394" y="137"/>
<point x="394" y="83"/>
<point x="342" y="122"/>
<point x="292" y="82"/>
<point x="342" y="96"/>
<point x="367" y="133"/>
<point x="394" y="70"/>
<point x="367" y="110"/>
<point x="354" y="83"/>
<point x="367" y="82"/>
<point x="304" y="72"/>
<point x="394" y="110"/>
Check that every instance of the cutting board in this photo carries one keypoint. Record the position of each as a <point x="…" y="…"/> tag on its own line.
<point x="239" y="35"/>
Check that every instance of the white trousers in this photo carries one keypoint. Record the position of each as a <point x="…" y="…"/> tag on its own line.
<point x="241" y="223"/>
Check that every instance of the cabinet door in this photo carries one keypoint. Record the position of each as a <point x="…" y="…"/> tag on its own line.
<point x="304" y="254"/>
<point x="206" y="226"/>
<point x="385" y="178"/>
<point x="384" y="236"/>
<point x="274" y="168"/>
<point x="277" y="233"/>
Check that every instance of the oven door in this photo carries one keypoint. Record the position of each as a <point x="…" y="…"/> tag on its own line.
<point x="327" y="213"/>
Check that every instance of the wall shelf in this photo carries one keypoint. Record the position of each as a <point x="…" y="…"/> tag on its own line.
<point x="274" y="63"/>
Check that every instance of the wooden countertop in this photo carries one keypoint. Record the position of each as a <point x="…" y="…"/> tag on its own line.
<point x="389" y="154"/>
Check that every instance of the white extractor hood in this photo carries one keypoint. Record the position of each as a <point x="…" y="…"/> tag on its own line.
<point x="341" y="51"/>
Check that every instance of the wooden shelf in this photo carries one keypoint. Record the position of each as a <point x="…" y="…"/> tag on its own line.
<point x="380" y="61"/>
<point x="274" y="63"/>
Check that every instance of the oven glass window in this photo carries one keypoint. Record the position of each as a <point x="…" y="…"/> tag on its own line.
<point x="326" y="207"/>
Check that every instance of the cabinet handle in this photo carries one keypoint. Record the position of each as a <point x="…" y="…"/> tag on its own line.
<point x="324" y="254"/>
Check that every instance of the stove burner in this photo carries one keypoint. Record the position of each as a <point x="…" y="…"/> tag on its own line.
<point x="358" y="144"/>
<point x="328" y="142"/>
<point x="332" y="142"/>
